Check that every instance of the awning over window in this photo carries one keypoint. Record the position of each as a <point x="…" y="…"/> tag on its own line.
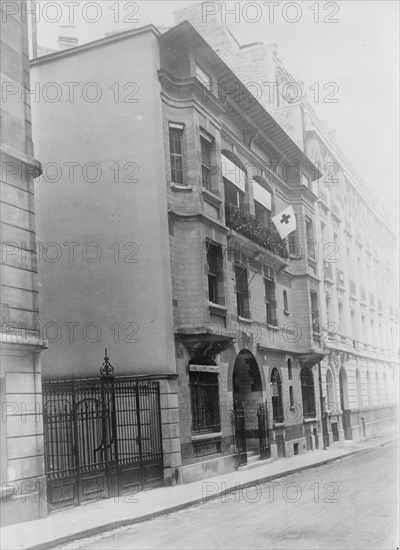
<point x="233" y="173"/>
<point x="261" y="195"/>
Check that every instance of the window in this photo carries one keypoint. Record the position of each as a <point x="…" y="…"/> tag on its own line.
<point x="262" y="215"/>
<point x="215" y="274"/>
<point x="176" y="152"/>
<point x="206" y="163"/>
<point x="310" y="239"/>
<point x="204" y="397"/>
<point x="289" y="368"/>
<point x="291" y="396"/>
<point x="277" y="407"/>
<point x="305" y="180"/>
<point x="262" y="201"/>
<point x="292" y="241"/>
<point x="270" y="303"/>
<point x="377" y="389"/>
<point x="323" y="233"/>
<point x="314" y="311"/>
<point x="233" y="195"/>
<point x="204" y="78"/>
<point x="307" y="392"/>
<point x="242" y="292"/>
<point x="369" y="389"/>
<point x="330" y="392"/>
<point x="359" y="389"/>
<point x="285" y="303"/>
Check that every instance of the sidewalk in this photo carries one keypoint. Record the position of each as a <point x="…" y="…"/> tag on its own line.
<point x="104" y="515"/>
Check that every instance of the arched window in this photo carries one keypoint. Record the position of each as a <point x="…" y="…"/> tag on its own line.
<point x="369" y="389"/>
<point x="377" y="389"/>
<point x="330" y="392"/>
<point x="276" y="386"/>
<point x="307" y="392"/>
<point x="359" y="389"/>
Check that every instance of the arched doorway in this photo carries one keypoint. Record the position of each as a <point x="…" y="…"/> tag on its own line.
<point x="344" y="404"/>
<point x="247" y="393"/>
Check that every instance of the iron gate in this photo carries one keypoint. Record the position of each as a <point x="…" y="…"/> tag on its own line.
<point x="240" y="433"/>
<point x="263" y="431"/>
<point x="102" y="438"/>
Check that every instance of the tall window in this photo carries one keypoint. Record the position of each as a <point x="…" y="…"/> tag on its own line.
<point x="270" y="303"/>
<point x="176" y="152"/>
<point x="314" y="311"/>
<point x="289" y="368"/>
<point x="307" y="392"/>
<point x="262" y="215"/>
<point x="292" y="241"/>
<point x="310" y="239"/>
<point x="206" y="163"/>
<point x="285" y="302"/>
<point x="359" y="389"/>
<point x="242" y="292"/>
<point x="215" y="275"/>
<point x="233" y="195"/>
<point x="377" y="389"/>
<point x="277" y="406"/>
<point x="330" y="392"/>
<point x="204" y="396"/>
<point x="369" y="389"/>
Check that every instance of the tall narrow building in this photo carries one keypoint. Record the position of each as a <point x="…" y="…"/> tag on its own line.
<point x="22" y="453"/>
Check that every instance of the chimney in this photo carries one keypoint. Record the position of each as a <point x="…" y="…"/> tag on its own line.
<point x="65" y="39"/>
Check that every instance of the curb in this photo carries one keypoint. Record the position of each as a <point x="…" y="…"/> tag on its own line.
<point x="152" y="515"/>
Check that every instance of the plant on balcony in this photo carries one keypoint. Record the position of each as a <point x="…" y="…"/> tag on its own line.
<point x="247" y="225"/>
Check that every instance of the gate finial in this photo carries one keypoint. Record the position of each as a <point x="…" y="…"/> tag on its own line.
<point x="106" y="368"/>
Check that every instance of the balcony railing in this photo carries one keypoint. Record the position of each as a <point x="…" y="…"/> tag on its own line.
<point x="246" y="224"/>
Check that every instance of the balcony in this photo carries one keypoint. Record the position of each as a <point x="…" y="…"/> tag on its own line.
<point x="246" y="224"/>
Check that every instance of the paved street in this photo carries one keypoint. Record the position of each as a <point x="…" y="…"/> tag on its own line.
<point x="351" y="503"/>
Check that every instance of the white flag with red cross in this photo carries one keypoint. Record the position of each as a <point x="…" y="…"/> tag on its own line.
<point x="285" y="222"/>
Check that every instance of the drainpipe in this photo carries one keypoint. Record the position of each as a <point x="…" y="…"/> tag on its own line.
<point x="323" y="414"/>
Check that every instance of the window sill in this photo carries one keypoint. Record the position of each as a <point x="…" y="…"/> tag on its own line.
<point x="278" y="424"/>
<point x="312" y="261"/>
<point x="309" y="420"/>
<point x="245" y="319"/>
<point x="179" y="187"/>
<point x="211" y="435"/>
<point x="272" y="327"/>
<point x="220" y="308"/>
<point x="211" y="197"/>
<point x="286" y="312"/>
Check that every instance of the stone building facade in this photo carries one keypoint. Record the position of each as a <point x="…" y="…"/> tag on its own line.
<point x="353" y="251"/>
<point x="22" y="451"/>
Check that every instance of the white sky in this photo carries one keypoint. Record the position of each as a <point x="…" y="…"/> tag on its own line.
<point x="359" y="53"/>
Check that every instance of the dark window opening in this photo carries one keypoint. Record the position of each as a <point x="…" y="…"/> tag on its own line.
<point x="277" y="406"/>
<point x="307" y="392"/>
<point x="285" y="302"/>
<point x="289" y="368"/>
<point x="215" y="273"/>
<point x="242" y="292"/>
<point x="204" y="397"/>
<point x="233" y="195"/>
<point x="291" y="396"/>
<point x="270" y="303"/>
<point x="262" y="215"/>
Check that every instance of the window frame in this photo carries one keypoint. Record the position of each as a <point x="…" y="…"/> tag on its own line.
<point x="203" y="393"/>
<point x="177" y="129"/>
<point x="270" y="301"/>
